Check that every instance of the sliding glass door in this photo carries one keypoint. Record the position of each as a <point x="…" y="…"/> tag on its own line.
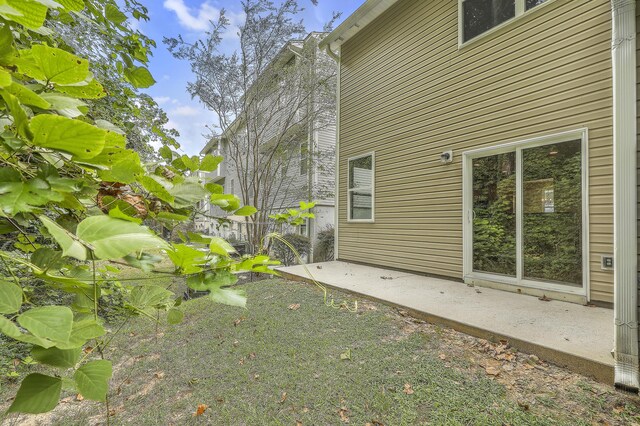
<point x="525" y="212"/>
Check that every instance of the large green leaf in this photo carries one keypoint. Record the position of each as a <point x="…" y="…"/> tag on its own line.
<point x="210" y="162"/>
<point x="82" y="331"/>
<point x="140" y="77"/>
<point x="150" y="296"/>
<point x="113" y="14"/>
<point x="157" y="186"/>
<point x="48" y="322"/>
<point x="72" y="5"/>
<point x="27" y="97"/>
<point x="37" y="394"/>
<point x="188" y="259"/>
<point x="54" y="65"/>
<point x="187" y="194"/>
<point x="245" y="211"/>
<point x="68" y="242"/>
<point x="5" y="78"/>
<point x="31" y="14"/>
<point x="10" y="297"/>
<point x="65" y="105"/>
<point x="125" y="168"/>
<point x="62" y="358"/>
<point x="114" y="238"/>
<point x="24" y="197"/>
<point x="65" y="134"/>
<point x="88" y="89"/>
<point x="227" y="202"/>
<point x="175" y="316"/>
<point x="93" y="378"/>
<point x="20" y="119"/>
<point x="46" y="258"/>
<point x="220" y="246"/>
<point x="11" y="330"/>
<point x="8" y="53"/>
<point x="217" y="283"/>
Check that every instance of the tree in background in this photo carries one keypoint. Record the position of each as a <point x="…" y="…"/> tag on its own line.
<point x="270" y="96"/>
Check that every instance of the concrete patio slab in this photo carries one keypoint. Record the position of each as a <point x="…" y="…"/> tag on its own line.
<point x="571" y="335"/>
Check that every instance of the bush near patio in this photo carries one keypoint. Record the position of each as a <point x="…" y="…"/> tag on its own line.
<point x="73" y="198"/>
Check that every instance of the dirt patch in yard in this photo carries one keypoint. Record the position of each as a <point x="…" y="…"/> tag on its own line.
<point x="532" y="383"/>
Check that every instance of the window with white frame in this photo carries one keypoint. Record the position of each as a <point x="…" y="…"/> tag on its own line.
<point x="361" y="186"/>
<point x="479" y="16"/>
<point x="303" y="228"/>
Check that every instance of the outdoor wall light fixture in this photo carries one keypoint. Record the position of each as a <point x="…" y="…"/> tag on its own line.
<point x="446" y="157"/>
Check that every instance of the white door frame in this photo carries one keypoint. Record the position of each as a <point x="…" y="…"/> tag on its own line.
<point x="467" y="209"/>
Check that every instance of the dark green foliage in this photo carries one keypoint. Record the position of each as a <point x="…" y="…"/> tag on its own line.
<point x="323" y="249"/>
<point x="552" y="213"/>
<point x="283" y="252"/>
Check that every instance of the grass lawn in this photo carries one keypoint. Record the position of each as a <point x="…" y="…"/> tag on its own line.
<point x="279" y="364"/>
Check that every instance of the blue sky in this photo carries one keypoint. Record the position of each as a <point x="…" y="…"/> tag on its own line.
<point x="168" y="18"/>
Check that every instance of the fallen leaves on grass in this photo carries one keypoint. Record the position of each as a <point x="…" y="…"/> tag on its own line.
<point x="294" y="306"/>
<point x="79" y="397"/>
<point x="159" y="375"/>
<point x="408" y="389"/>
<point x="346" y="355"/>
<point x="442" y="356"/>
<point x="200" y="410"/>
<point x="342" y="412"/>
<point x="283" y="398"/>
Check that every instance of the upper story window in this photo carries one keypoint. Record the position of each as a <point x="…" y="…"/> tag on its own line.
<point x="479" y="16"/>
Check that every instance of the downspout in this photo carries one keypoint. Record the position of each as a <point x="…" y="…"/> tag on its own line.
<point x="336" y="193"/>
<point x="623" y="52"/>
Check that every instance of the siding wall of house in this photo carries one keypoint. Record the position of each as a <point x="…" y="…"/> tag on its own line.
<point x="408" y="93"/>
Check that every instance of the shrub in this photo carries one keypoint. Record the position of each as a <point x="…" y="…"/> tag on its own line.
<point x="283" y="252"/>
<point x="323" y="249"/>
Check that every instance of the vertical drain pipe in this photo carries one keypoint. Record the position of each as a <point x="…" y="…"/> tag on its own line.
<point x="623" y="51"/>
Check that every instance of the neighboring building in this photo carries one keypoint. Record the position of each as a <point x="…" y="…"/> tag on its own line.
<point x="305" y="171"/>
<point x="476" y="141"/>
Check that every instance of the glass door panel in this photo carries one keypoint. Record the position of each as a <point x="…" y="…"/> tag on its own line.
<point x="494" y="214"/>
<point x="552" y="213"/>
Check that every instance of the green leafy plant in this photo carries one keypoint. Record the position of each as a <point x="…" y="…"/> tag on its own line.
<point x="75" y="202"/>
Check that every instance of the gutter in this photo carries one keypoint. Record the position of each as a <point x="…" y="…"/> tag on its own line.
<point x="623" y="52"/>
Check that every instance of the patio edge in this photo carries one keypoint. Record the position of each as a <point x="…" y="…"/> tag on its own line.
<point x="599" y="371"/>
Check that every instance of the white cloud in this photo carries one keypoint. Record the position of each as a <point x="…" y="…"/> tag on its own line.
<point x="198" y="21"/>
<point x="185" y="111"/>
<point x="161" y="100"/>
<point x="191" y="120"/>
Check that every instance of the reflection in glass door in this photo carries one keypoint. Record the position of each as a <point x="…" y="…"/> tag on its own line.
<point x="494" y="214"/>
<point x="552" y="213"/>
<point x="526" y="214"/>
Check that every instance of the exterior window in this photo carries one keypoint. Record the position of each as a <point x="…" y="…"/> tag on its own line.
<point x="304" y="158"/>
<point x="303" y="229"/>
<point x="361" y="185"/>
<point x="479" y="16"/>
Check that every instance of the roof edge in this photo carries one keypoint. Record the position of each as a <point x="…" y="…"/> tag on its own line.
<point x="364" y="15"/>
